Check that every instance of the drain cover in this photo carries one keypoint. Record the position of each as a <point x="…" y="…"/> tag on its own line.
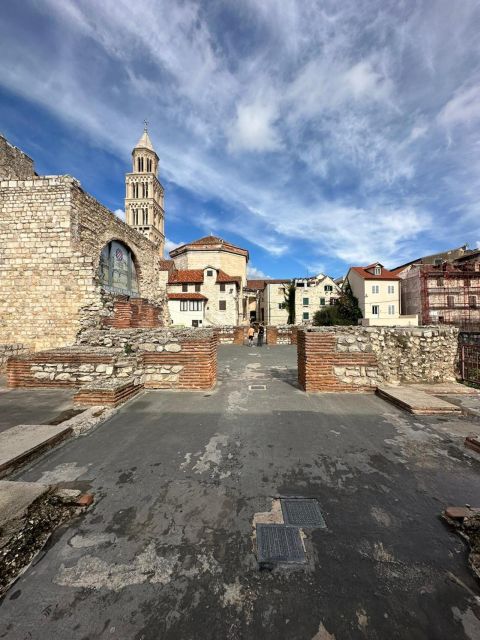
<point x="258" y="387"/>
<point x="302" y="512"/>
<point x="278" y="543"/>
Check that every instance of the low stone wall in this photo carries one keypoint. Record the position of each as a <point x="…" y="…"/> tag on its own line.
<point x="282" y="334"/>
<point x="360" y="358"/>
<point x="231" y="334"/>
<point x="156" y="358"/>
<point x="9" y="350"/>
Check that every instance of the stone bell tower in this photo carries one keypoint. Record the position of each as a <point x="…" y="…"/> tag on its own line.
<point x="144" y="196"/>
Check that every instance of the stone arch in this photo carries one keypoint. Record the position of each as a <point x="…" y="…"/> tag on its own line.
<point x="118" y="269"/>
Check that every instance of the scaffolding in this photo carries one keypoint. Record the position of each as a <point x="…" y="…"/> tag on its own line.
<point x="443" y="294"/>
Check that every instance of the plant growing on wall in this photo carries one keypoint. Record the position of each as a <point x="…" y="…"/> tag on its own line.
<point x="290" y="302"/>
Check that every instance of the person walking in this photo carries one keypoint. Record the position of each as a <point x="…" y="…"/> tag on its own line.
<point x="261" y="333"/>
<point x="251" y="333"/>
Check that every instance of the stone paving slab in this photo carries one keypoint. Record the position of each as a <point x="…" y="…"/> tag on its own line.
<point x="445" y="389"/>
<point x="416" y="401"/>
<point x="15" y="498"/>
<point x="20" y="443"/>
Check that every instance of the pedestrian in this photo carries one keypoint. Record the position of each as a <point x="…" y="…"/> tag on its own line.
<point x="261" y="333"/>
<point x="251" y="333"/>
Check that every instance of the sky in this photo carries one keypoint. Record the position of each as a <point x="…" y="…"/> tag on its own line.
<point x="315" y="134"/>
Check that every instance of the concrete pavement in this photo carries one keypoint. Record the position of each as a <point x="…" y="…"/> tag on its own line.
<point x="166" y="551"/>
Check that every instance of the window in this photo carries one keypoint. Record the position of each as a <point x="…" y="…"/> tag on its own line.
<point x="391" y="309"/>
<point x="222" y="286"/>
<point x="375" y="310"/>
<point x="282" y="305"/>
<point x="328" y="287"/>
<point x="305" y="302"/>
<point x="209" y="272"/>
<point x="300" y="284"/>
<point x="145" y="216"/>
<point x="184" y="287"/>
<point x="322" y="302"/>
<point x="116" y="270"/>
<point x="135" y="216"/>
<point x="450" y="302"/>
<point x="439" y="282"/>
<point x="145" y="189"/>
<point x="333" y="300"/>
<point x="306" y="315"/>
<point x="195" y="305"/>
<point x="375" y="288"/>
<point x="472" y="302"/>
<point x="183" y="305"/>
<point x="140" y="164"/>
<point x="197" y="288"/>
<point x="391" y="288"/>
<point x="222" y="305"/>
<point x="149" y="165"/>
<point x="135" y="190"/>
<point x="195" y="323"/>
<point x="280" y="291"/>
<point x="378" y="270"/>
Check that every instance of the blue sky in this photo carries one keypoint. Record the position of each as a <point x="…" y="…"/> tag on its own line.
<point x="315" y="134"/>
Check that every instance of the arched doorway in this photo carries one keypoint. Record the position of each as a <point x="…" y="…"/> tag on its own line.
<point x="117" y="272"/>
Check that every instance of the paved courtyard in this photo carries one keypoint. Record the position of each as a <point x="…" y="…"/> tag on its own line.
<point x="166" y="551"/>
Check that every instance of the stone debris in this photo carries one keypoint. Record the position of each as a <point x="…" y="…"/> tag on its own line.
<point x="473" y="442"/>
<point x="466" y="522"/>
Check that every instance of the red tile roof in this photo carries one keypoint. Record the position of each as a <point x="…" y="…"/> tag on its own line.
<point x="183" y="276"/>
<point x="209" y="243"/>
<point x="186" y="296"/>
<point x="166" y="265"/>
<point x="366" y="275"/>
<point x="260" y="284"/>
<point x="224" y="277"/>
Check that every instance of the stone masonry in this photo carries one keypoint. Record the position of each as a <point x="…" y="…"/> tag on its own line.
<point x="360" y="358"/>
<point x="14" y="163"/>
<point x="52" y="234"/>
<point x="9" y="350"/>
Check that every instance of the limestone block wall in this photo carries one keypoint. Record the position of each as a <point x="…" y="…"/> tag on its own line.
<point x="230" y="334"/>
<point x="361" y="358"/>
<point x="155" y="358"/>
<point x="51" y="234"/>
<point x="282" y="334"/>
<point x="9" y="350"/>
<point x="14" y="163"/>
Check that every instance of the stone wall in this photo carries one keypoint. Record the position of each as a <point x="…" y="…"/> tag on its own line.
<point x="230" y="334"/>
<point x="14" y="164"/>
<point x="283" y="334"/>
<point x="154" y="358"/>
<point x="9" y="350"/>
<point x="360" y="358"/>
<point x="52" y="234"/>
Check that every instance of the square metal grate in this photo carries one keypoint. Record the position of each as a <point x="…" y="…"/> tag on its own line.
<point x="302" y="512"/>
<point x="277" y="543"/>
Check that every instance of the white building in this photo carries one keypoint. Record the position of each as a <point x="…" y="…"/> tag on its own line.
<point x="378" y="292"/>
<point x="313" y="294"/>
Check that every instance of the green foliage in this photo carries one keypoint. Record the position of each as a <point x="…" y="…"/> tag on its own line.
<point x="290" y="303"/>
<point x="346" y="311"/>
<point x="128" y="349"/>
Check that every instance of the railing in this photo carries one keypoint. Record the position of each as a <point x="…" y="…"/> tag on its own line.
<point x="470" y="357"/>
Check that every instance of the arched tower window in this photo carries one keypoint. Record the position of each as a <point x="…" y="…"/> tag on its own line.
<point x="117" y="272"/>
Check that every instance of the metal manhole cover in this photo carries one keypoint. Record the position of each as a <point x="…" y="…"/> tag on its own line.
<point x="302" y="512"/>
<point x="257" y="387"/>
<point x="278" y="543"/>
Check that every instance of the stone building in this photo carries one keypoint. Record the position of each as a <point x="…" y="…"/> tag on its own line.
<point x="64" y="257"/>
<point x="378" y="292"/>
<point x="208" y="276"/>
<point x="312" y="294"/>
<point x="144" y="194"/>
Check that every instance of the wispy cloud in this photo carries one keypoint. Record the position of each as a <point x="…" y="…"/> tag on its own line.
<point x="345" y="131"/>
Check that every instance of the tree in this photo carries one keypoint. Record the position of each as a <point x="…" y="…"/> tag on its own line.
<point x="346" y="311"/>
<point x="347" y="306"/>
<point x="290" y="302"/>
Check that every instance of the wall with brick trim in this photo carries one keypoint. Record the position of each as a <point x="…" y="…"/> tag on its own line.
<point x="281" y="334"/>
<point x="360" y="358"/>
<point x="52" y="234"/>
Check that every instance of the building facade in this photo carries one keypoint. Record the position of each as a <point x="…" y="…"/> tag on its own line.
<point x="313" y="294"/>
<point x="378" y="292"/>
<point x="144" y="194"/>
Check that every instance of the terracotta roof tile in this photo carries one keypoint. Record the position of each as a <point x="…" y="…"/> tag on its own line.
<point x="166" y="265"/>
<point x="224" y="277"/>
<point x="366" y="275"/>
<point x="209" y="241"/>
<point x="186" y="296"/>
<point x="260" y="284"/>
<point x="186" y="276"/>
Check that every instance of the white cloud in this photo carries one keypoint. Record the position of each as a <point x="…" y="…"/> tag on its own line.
<point x="254" y="127"/>
<point x="120" y="213"/>
<point x="170" y="245"/>
<point x="253" y="272"/>
<point x="463" y="108"/>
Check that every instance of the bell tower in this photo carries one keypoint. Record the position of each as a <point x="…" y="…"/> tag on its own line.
<point x="144" y="194"/>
